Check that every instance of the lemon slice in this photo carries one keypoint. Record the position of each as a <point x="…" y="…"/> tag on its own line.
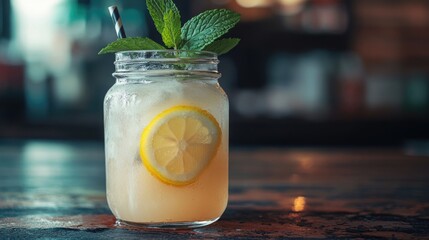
<point x="179" y="143"/>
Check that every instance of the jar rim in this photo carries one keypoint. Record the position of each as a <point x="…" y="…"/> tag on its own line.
<point x="161" y="63"/>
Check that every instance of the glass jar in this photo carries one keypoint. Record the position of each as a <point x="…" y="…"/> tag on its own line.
<point x="166" y="139"/>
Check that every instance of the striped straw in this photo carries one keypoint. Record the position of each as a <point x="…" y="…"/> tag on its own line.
<point x="117" y="21"/>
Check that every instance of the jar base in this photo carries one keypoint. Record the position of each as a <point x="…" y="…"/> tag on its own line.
<point x="167" y="225"/>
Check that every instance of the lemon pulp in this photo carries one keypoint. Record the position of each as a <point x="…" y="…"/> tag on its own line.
<point x="178" y="144"/>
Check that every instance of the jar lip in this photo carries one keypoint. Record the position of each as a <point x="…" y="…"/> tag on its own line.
<point x="166" y="62"/>
<point x="162" y="55"/>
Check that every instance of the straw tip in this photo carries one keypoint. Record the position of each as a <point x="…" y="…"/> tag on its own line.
<point x="111" y="8"/>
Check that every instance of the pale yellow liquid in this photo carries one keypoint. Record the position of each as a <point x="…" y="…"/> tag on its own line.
<point x="133" y="193"/>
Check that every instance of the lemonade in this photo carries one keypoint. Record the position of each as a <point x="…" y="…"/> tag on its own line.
<point x="166" y="139"/>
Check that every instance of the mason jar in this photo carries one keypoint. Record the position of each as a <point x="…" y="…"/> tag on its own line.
<point x="166" y="139"/>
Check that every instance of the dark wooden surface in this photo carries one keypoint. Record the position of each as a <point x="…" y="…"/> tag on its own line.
<point x="56" y="190"/>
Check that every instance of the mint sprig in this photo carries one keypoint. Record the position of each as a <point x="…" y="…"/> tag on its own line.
<point x="222" y="46"/>
<point x="129" y="44"/>
<point x="171" y="32"/>
<point x="201" y="32"/>
<point x="205" y="28"/>
<point x="158" y="9"/>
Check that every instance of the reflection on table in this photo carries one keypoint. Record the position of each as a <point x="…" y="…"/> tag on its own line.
<point x="56" y="189"/>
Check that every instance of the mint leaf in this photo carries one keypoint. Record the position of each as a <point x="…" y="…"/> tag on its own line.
<point x="158" y="9"/>
<point x="222" y="46"/>
<point x="171" y="32"/>
<point x="206" y="27"/>
<point x="127" y="44"/>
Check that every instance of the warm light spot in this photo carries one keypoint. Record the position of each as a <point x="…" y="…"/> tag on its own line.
<point x="254" y="3"/>
<point x="306" y="162"/>
<point x="299" y="204"/>
<point x="291" y="2"/>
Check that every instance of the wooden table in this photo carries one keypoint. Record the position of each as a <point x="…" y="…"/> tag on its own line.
<point x="56" y="190"/>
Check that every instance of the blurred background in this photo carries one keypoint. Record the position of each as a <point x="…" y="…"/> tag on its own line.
<point x="307" y="72"/>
